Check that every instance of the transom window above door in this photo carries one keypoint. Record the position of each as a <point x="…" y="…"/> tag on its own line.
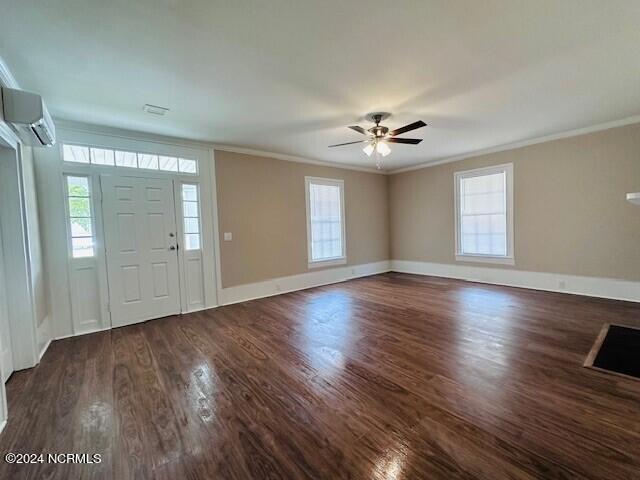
<point x="126" y="159"/>
<point x="484" y="214"/>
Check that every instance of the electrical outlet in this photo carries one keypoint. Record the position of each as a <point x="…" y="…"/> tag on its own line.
<point x="228" y="236"/>
<point x="353" y="271"/>
<point x="561" y="284"/>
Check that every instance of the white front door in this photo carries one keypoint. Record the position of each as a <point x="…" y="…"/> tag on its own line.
<point x="6" y="355"/>
<point x="140" y="242"/>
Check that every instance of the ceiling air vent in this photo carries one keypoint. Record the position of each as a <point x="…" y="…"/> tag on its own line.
<point x="155" y="109"/>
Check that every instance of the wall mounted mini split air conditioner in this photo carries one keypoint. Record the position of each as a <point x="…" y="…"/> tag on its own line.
<point x="28" y="115"/>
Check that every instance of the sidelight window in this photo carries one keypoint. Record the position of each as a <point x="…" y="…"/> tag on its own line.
<point x="191" y="215"/>
<point x="81" y="224"/>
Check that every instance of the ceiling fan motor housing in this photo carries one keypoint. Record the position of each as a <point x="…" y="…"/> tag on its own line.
<point x="379" y="131"/>
<point x="377" y="117"/>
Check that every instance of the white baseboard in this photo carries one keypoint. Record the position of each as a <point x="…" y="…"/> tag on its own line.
<point x="43" y="336"/>
<point x="43" y="350"/>
<point x="552" y="282"/>
<point x="574" y="284"/>
<point x="199" y="309"/>
<point x="88" y="326"/>
<point x="2" y="425"/>
<point x="276" y="286"/>
<point x="95" y="330"/>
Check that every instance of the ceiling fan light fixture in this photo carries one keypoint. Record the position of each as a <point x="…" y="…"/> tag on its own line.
<point x="383" y="149"/>
<point x="379" y="136"/>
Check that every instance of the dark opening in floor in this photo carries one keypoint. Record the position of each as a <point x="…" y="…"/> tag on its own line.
<point x="619" y="351"/>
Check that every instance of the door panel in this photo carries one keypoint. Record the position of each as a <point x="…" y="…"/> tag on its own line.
<point x="131" y="287"/>
<point x="126" y="232"/>
<point x="140" y="240"/>
<point x="156" y="231"/>
<point x="160" y="280"/>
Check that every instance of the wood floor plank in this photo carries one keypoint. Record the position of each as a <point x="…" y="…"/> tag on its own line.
<point x="390" y="376"/>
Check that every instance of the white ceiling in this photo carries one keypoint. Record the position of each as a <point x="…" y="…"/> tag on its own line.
<point x="287" y="76"/>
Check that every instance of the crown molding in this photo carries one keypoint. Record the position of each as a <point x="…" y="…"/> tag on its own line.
<point x="6" y="77"/>
<point x="294" y="158"/>
<point x="90" y="128"/>
<point x="524" y="143"/>
<point x="138" y="135"/>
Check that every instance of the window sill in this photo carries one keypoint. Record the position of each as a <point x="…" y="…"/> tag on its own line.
<point x="327" y="263"/>
<point x="485" y="259"/>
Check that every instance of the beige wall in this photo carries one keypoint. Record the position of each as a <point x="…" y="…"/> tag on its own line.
<point x="570" y="212"/>
<point x="261" y="201"/>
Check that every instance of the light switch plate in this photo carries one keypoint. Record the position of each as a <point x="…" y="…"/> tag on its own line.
<point x="228" y="236"/>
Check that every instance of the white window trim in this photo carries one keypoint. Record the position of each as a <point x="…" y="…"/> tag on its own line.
<point x="199" y="217"/>
<point x="327" y="262"/>
<point x="67" y="210"/>
<point x="509" y="258"/>
<point x="122" y="170"/>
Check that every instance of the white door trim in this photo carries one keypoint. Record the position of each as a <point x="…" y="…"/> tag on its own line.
<point x="21" y="309"/>
<point x="6" y="354"/>
<point x="17" y="260"/>
<point x="50" y="166"/>
<point x="214" y="216"/>
<point x="190" y="262"/>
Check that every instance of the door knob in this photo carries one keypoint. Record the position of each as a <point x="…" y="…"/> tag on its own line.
<point x="172" y="247"/>
<point x="171" y="234"/>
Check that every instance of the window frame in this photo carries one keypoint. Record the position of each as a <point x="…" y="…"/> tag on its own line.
<point x="333" y="182"/>
<point x="128" y="168"/>
<point x="509" y="258"/>
<point x="68" y="217"/>
<point x="184" y="217"/>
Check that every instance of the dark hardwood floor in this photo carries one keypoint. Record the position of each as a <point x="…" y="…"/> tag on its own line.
<point x="393" y="376"/>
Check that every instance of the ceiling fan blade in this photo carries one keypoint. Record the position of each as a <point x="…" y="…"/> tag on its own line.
<point x="359" y="129"/>
<point x="407" y="128"/>
<point x="348" y="143"/>
<point x="411" y="141"/>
